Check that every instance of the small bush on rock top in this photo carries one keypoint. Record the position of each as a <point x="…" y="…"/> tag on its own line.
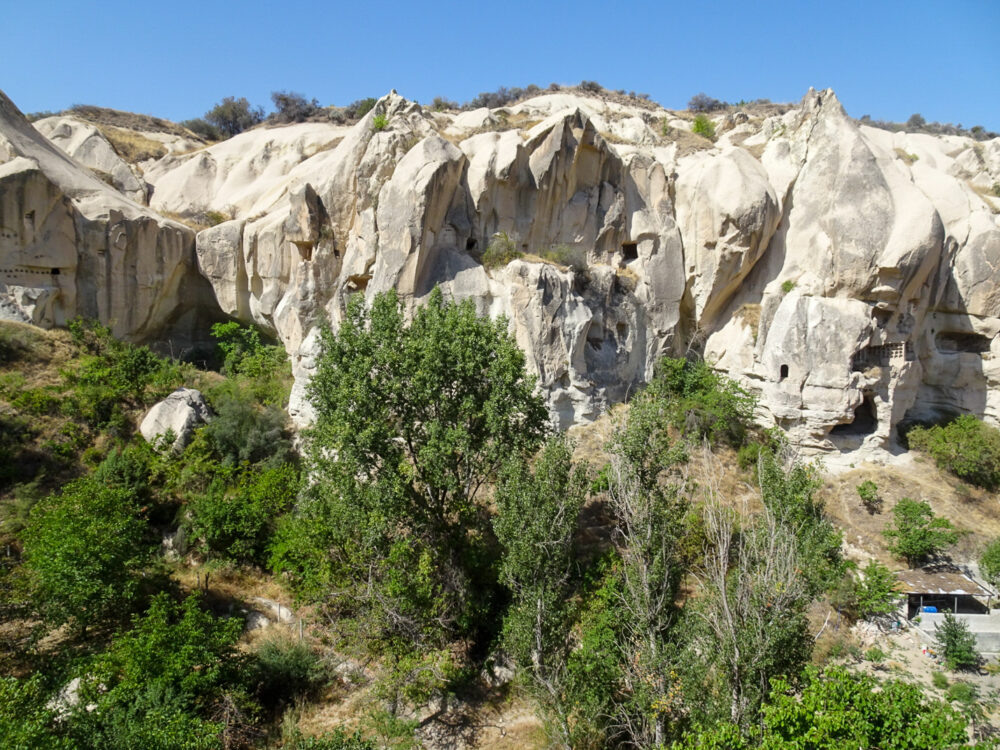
<point x="232" y="116"/>
<point x="702" y="102"/>
<point x="501" y="251"/>
<point x="379" y="122"/>
<point x="291" y="106"/>
<point x="967" y="447"/>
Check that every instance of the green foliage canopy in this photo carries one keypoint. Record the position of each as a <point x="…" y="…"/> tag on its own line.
<point x="412" y="422"/>
<point x="916" y="534"/>
<point x="967" y="447"/>
<point x="84" y="551"/>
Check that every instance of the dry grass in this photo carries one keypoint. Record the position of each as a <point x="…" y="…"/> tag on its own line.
<point x="907" y="158"/>
<point x="749" y="314"/>
<point x="989" y="196"/>
<point x="972" y="510"/>
<point x="687" y="142"/>
<point x="131" y="146"/>
<point x="129" y="120"/>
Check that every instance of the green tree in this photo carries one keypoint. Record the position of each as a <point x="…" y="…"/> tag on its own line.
<point x="989" y="563"/>
<point x="967" y="447"/>
<point x="84" y="553"/>
<point x="161" y="682"/>
<point x="868" y="492"/>
<point x="536" y="517"/>
<point x="232" y="116"/>
<point x="916" y="534"/>
<point x="412" y="422"/>
<point x="876" y="591"/>
<point x="237" y="522"/>
<point x="26" y="721"/>
<point x="700" y="402"/>
<point x="957" y="643"/>
<point x="788" y="489"/>
<point x="704" y="127"/>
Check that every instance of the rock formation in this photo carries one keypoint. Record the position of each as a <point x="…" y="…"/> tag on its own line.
<point x="70" y="244"/>
<point x="178" y="414"/>
<point x="844" y="274"/>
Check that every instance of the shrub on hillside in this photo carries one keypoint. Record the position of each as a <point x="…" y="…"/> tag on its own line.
<point x="967" y="447"/>
<point x="291" y="106"/>
<point x="702" y="403"/>
<point x="702" y="102"/>
<point x="501" y="251"/>
<point x="916" y="534"/>
<point x="989" y="563"/>
<point x="359" y="108"/>
<point x="704" y="127"/>
<point x="232" y="116"/>
<point x="202" y="128"/>
<point x="957" y="643"/>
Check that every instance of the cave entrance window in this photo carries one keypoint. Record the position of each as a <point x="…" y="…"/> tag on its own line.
<point x="55" y="271"/>
<point x="630" y="251"/>
<point x="470" y="244"/>
<point x="783" y="373"/>
<point x="865" y="420"/>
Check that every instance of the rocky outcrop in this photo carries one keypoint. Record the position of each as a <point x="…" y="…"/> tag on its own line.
<point x="846" y="275"/>
<point x="87" y="145"/>
<point x="70" y="244"/>
<point x="177" y="415"/>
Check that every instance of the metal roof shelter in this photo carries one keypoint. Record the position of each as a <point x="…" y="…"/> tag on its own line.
<point x="944" y="587"/>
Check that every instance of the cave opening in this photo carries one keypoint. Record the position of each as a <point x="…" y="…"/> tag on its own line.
<point x="949" y="342"/>
<point x="783" y="373"/>
<point x="470" y="244"/>
<point x="630" y="251"/>
<point x="865" y="419"/>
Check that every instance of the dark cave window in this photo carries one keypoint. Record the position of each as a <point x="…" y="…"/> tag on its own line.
<point x="55" y="271"/>
<point x="865" y="420"/>
<point x="783" y="373"/>
<point x="470" y="244"/>
<point x="630" y="250"/>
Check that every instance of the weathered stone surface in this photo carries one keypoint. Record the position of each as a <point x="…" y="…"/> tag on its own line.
<point x="846" y="275"/>
<point x="85" y="143"/>
<point x="70" y="244"/>
<point x="179" y="413"/>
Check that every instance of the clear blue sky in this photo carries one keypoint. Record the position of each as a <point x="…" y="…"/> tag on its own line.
<point x="886" y="58"/>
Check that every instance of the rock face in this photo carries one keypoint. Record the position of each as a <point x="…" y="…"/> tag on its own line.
<point x="70" y="244"/>
<point x="179" y="413"/>
<point x="844" y="274"/>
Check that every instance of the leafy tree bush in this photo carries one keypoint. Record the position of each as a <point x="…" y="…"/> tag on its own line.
<point x="876" y="591"/>
<point x="202" y="128"/>
<point x="536" y="517"/>
<point x="702" y="102"/>
<point x="989" y="563"/>
<point x="232" y="116"/>
<point x="160" y="683"/>
<point x="286" y="670"/>
<point x="84" y="553"/>
<point x="702" y="403"/>
<point x="380" y="122"/>
<point x="868" y="492"/>
<point x="788" y="489"/>
<point x="412" y="422"/>
<point x="501" y="251"/>
<point x="440" y="104"/>
<point x="704" y="127"/>
<point x="840" y="709"/>
<point x="243" y="432"/>
<point x="245" y="353"/>
<point x="26" y="722"/>
<point x="916" y="534"/>
<point x="291" y="106"/>
<point x="358" y="109"/>
<point x="967" y="447"/>
<point x="592" y="87"/>
<point x="237" y="522"/>
<point x="957" y="643"/>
